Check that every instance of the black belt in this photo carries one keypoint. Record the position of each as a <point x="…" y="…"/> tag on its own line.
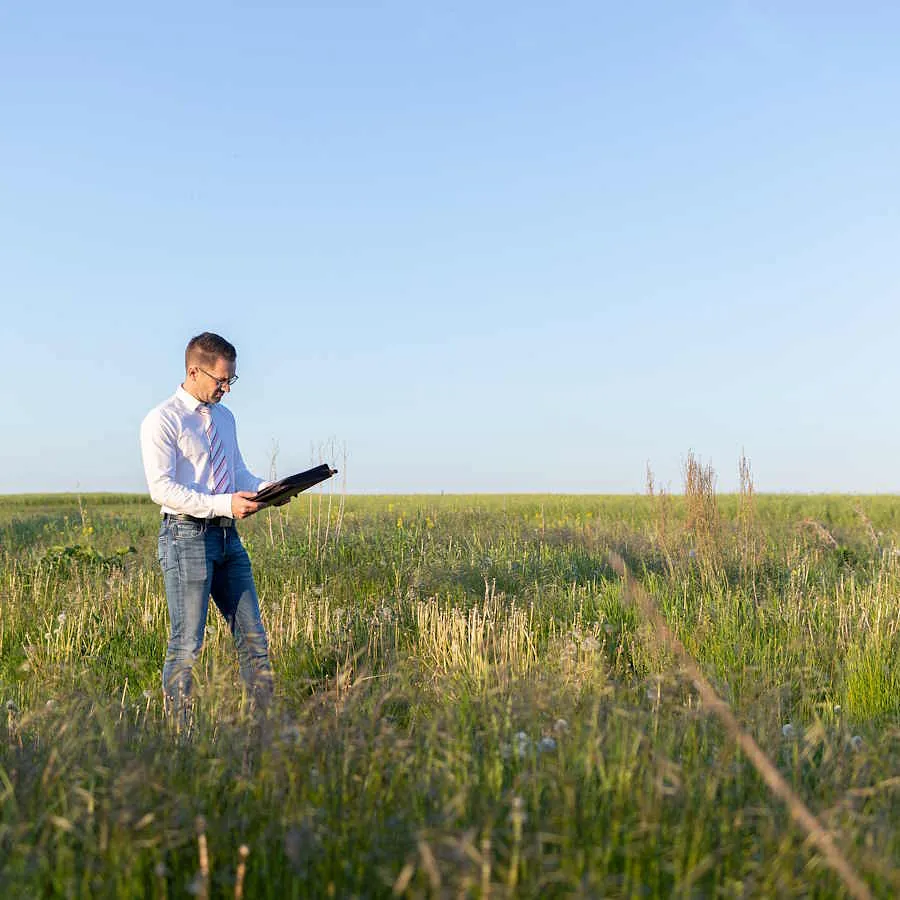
<point x="215" y="522"/>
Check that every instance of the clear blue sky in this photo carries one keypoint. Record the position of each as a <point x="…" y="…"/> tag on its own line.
<point x="488" y="246"/>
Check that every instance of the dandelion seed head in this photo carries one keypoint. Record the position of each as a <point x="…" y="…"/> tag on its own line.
<point x="547" y="744"/>
<point x="788" y="731"/>
<point x="560" y="726"/>
<point x="856" y="742"/>
<point x="12" y="706"/>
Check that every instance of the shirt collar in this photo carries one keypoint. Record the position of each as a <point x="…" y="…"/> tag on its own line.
<point x="191" y="402"/>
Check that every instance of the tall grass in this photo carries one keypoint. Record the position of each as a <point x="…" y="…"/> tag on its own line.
<point x="466" y="705"/>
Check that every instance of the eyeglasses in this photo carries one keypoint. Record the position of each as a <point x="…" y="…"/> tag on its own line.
<point x="220" y="382"/>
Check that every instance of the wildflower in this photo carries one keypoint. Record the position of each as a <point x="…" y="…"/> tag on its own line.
<point x="787" y="731"/>
<point x="547" y="744"/>
<point x="692" y="553"/>
<point x="856" y="742"/>
<point x="560" y="726"/>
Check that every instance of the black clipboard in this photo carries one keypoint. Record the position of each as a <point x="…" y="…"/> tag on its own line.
<point x="285" y="488"/>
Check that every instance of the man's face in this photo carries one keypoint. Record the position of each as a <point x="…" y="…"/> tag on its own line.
<point x="209" y="383"/>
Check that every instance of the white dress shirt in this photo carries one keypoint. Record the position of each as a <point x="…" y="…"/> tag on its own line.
<point x="175" y="450"/>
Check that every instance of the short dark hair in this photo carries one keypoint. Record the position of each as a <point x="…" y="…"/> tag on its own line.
<point x="206" y="348"/>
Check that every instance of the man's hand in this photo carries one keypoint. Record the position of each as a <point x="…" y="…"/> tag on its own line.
<point x="242" y="504"/>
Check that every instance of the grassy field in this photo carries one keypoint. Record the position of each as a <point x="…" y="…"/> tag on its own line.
<point x="466" y="704"/>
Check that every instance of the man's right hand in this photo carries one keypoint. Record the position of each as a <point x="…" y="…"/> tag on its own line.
<point x="242" y="504"/>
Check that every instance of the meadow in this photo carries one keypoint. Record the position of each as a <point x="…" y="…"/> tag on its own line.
<point x="467" y="704"/>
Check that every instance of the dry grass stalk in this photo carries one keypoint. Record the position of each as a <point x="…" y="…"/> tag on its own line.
<point x="702" y="510"/>
<point x="821" y="532"/>
<point x="751" y="548"/>
<point x="203" y="853"/>
<point x="801" y="814"/>
<point x="486" y="866"/>
<point x="662" y="503"/>
<point x="867" y="523"/>
<point x="243" y="853"/>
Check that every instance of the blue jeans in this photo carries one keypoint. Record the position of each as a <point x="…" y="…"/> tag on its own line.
<point x="199" y="560"/>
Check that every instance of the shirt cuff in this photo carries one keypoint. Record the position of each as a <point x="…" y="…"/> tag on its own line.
<point x="222" y="505"/>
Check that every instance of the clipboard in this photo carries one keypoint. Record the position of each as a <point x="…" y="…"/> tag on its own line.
<point x="285" y="488"/>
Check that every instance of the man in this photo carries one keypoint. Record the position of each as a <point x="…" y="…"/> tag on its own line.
<point x="195" y="472"/>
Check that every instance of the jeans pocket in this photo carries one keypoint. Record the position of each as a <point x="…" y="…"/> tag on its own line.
<point x="183" y="531"/>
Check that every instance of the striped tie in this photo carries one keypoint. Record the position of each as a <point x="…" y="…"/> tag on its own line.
<point x="219" y="466"/>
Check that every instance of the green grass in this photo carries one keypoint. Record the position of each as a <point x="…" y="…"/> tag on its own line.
<point x="465" y="704"/>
